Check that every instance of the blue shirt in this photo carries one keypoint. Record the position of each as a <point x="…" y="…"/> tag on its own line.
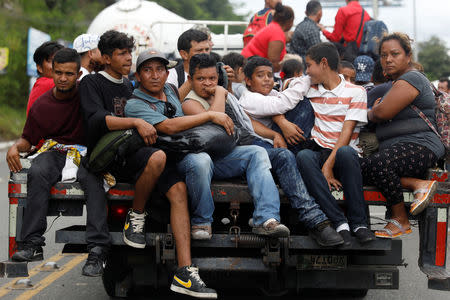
<point x="152" y="110"/>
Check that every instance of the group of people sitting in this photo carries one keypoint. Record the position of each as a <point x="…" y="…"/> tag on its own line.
<point x="306" y="133"/>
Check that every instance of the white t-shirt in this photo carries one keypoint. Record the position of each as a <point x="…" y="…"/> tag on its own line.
<point x="173" y="77"/>
<point x="84" y="72"/>
<point x="332" y="108"/>
<point x="262" y="108"/>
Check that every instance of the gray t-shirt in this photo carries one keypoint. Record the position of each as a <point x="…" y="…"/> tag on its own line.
<point x="407" y="126"/>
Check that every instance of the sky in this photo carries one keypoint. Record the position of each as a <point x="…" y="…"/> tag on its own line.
<point x="433" y="16"/>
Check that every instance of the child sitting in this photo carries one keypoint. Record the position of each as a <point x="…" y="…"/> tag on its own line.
<point x="236" y="62"/>
<point x="292" y="114"/>
<point x="347" y="69"/>
<point x="289" y="69"/>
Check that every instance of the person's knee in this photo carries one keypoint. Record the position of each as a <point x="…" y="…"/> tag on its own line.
<point x="259" y="154"/>
<point x="346" y="153"/>
<point x="305" y="157"/>
<point x="156" y="162"/>
<point x="285" y="155"/>
<point x="200" y="164"/>
<point x="177" y="194"/>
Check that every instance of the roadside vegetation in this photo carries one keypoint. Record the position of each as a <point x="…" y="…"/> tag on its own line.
<point x="12" y="121"/>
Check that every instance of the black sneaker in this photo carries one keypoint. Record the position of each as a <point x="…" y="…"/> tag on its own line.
<point x="325" y="235"/>
<point x="28" y="252"/>
<point x="364" y="235"/>
<point x="95" y="262"/>
<point x="134" y="229"/>
<point x="187" y="281"/>
<point x="347" y="236"/>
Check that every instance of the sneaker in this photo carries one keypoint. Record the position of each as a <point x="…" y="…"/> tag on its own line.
<point x="95" y="262"/>
<point x="325" y="235"/>
<point x="187" y="281"/>
<point x="364" y="235"/>
<point x="271" y="228"/>
<point x="134" y="229"/>
<point x="201" y="232"/>
<point x="28" y="252"/>
<point x="347" y="237"/>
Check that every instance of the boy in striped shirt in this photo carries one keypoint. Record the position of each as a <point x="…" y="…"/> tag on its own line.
<point x="340" y="109"/>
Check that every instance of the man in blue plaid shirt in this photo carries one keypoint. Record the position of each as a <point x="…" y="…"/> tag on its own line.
<point x="307" y="32"/>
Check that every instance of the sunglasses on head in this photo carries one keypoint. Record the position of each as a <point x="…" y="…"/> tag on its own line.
<point x="169" y="110"/>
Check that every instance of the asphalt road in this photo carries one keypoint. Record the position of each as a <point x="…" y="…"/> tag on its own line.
<point x="69" y="284"/>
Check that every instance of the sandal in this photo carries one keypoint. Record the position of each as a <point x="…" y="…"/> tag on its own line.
<point x="388" y="234"/>
<point x="420" y="204"/>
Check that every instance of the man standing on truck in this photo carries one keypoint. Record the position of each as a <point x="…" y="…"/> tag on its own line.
<point x="56" y="116"/>
<point x="91" y="58"/>
<point x="260" y="20"/>
<point x="340" y="109"/>
<point x="190" y="43"/>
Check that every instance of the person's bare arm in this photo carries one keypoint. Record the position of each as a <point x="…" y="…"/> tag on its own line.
<point x="219" y="99"/>
<point x="265" y="132"/>
<point x="399" y="96"/>
<point x="13" y="154"/>
<point x="146" y="130"/>
<point x="291" y="132"/>
<point x="273" y="54"/>
<point x="184" y="90"/>
<point x="343" y="140"/>
<point x="175" y="125"/>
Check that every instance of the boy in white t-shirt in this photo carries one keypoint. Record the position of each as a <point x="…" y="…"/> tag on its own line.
<point x="340" y="110"/>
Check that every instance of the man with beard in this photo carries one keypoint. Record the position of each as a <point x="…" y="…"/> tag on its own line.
<point x="91" y="59"/>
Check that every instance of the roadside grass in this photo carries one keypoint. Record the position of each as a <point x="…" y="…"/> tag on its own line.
<point x="12" y="121"/>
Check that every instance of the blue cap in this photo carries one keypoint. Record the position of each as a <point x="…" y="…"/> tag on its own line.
<point x="364" y="66"/>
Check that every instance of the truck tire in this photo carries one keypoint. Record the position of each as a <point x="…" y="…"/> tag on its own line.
<point x="115" y="272"/>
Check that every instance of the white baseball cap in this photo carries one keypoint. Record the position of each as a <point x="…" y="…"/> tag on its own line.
<point x="86" y="42"/>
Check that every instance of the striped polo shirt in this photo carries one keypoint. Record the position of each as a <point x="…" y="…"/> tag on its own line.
<point x="331" y="108"/>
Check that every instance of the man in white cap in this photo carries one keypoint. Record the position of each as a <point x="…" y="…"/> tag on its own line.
<point x="91" y="58"/>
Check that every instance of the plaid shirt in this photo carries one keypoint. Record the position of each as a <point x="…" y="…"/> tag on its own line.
<point x="306" y="35"/>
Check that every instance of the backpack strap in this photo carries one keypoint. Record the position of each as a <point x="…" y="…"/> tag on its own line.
<point x="180" y="74"/>
<point x="175" y="90"/>
<point x="360" y="25"/>
<point x="424" y="117"/>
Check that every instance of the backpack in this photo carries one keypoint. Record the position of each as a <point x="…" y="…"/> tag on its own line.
<point x="443" y="116"/>
<point x="114" y="147"/>
<point x="257" y="23"/>
<point x="373" y="32"/>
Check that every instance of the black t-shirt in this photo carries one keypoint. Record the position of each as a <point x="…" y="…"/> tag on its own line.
<point x="98" y="96"/>
<point x="50" y="118"/>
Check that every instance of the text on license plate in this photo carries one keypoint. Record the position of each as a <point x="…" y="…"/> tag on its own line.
<point x="322" y="262"/>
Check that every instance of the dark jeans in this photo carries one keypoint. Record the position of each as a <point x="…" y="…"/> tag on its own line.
<point x="44" y="172"/>
<point x="348" y="171"/>
<point x="291" y="182"/>
<point x="303" y="116"/>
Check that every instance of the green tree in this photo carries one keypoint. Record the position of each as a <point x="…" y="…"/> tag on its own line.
<point x="205" y="10"/>
<point x="64" y="19"/>
<point x="433" y="55"/>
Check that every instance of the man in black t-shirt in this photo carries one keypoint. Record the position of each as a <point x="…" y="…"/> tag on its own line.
<point x="57" y="116"/>
<point x="102" y="97"/>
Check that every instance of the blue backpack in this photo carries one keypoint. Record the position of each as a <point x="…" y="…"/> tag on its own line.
<point x="373" y="32"/>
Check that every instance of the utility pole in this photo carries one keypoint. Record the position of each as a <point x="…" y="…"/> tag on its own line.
<point x="375" y="9"/>
<point x="415" y="54"/>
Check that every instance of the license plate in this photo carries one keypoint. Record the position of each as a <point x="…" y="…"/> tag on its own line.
<point x="306" y="262"/>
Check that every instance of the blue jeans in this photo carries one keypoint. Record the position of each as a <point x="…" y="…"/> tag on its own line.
<point x="253" y="161"/>
<point x="291" y="182"/>
<point x="301" y="115"/>
<point x="348" y="171"/>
